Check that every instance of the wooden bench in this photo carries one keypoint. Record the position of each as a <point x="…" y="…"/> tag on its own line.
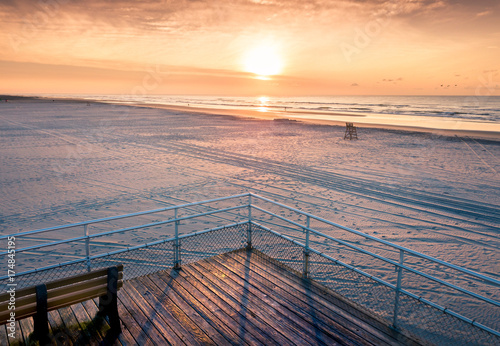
<point x="38" y="300"/>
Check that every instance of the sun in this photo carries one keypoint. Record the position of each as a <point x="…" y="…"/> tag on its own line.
<point x="264" y="61"/>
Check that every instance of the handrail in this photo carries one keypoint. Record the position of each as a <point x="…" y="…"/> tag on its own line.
<point x="255" y="219"/>
<point x="399" y="247"/>
<point x="387" y="260"/>
<point x="34" y="247"/>
<point x="367" y="236"/>
<point x="123" y="250"/>
<point x="383" y="282"/>
<point x="124" y="216"/>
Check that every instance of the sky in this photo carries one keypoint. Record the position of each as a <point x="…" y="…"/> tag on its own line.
<point x="250" y="47"/>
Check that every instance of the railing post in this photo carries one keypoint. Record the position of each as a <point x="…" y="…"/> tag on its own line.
<point x="306" y="249"/>
<point x="249" y="230"/>
<point x="398" y="289"/>
<point x="87" y="245"/>
<point x="177" y="245"/>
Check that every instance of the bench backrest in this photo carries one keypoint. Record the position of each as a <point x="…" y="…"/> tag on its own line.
<point x="60" y="293"/>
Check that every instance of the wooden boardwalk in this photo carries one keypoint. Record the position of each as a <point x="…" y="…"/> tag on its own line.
<point x="241" y="297"/>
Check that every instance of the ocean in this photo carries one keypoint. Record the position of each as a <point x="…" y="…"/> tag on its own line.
<point x="484" y="109"/>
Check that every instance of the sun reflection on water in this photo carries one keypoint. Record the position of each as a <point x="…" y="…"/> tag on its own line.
<point x="264" y="102"/>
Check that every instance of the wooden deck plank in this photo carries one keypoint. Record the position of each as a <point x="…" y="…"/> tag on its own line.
<point x="102" y="326"/>
<point x="270" y="312"/>
<point x="188" y="330"/>
<point x="220" y="294"/>
<point x="311" y="327"/>
<point x="148" y="328"/>
<point x="97" y="321"/>
<point x="239" y="322"/>
<point x="304" y="299"/>
<point x="216" y="330"/>
<point x="185" y="315"/>
<point x="296" y="281"/>
<point x="72" y="326"/>
<point x="86" y="324"/>
<point x="373" y="331"/>
<point x="338" y="304"/>
<point x="308" y="312"/>
<point x="226" y="317"/>
<point x="142" y="298"/>
<point x="4" y="337"/>
<point x="18" y="336"/>
<point x="242" y="297"/>
<point x="27" y="328"/>
<point x="140" y="337"/>
<point x="152" y="315"/>
<point x="238" y="295"/>
<point x="56" y="327"/>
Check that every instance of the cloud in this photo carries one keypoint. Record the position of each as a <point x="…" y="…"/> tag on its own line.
<point x="391" y="80"/>
<point x="160" y="14"/>
<point x="191" y="16"/>
<point x="484" y="13"/>
<point x="215" y="35"/>
<point x="396" y="8"/>
<point x="147" y="15"/>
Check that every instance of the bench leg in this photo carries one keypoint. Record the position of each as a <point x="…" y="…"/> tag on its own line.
<point x="108" y="304"/>
<point x="41" y="323"/>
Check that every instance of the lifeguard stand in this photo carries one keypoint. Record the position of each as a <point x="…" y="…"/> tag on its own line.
<point x="350" y="131"/>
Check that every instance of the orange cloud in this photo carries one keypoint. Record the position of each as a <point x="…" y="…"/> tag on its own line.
<point x="322" y="44"/>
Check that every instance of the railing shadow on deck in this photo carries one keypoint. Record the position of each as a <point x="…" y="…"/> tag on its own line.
<point x="412" y="292"/>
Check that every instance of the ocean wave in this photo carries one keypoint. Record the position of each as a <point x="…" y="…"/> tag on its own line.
<point x="360" y="109"/>
<point x="432" y="106"/>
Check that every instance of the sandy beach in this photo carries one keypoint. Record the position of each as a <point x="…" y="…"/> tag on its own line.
<point x="443" y="126"/>
<point x="67" y="161"/>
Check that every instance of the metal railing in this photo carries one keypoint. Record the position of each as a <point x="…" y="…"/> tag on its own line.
<point x="317" y="248"/>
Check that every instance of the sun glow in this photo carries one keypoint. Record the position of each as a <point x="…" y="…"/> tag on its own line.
<point x="263" y="100"/>
<point x="264" y="61"/>
<point x="263" y="103"/>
